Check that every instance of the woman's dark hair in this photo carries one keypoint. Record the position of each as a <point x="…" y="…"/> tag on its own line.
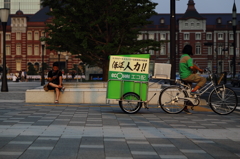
<point x="55" y="64"/>
<point x="187" y="50"/>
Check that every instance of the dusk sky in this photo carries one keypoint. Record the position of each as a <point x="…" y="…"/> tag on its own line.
<point x="202" y="6"/>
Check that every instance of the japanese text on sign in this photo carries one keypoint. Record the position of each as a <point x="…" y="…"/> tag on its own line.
<point x="129" y="64"/>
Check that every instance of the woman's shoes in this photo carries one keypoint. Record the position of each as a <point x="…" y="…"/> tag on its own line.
<point x="56" y="101"/>
<point x="63" y="89"/>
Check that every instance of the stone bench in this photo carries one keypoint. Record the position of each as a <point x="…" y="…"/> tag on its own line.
<point x="82" y="92"/>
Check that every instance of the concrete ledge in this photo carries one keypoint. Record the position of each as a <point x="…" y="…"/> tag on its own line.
<point x="85" y="92"/>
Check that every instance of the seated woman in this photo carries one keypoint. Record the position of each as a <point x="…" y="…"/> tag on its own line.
<point x="55" y="81"/>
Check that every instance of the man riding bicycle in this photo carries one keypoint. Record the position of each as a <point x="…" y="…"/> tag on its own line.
<point x="188" y="70"/>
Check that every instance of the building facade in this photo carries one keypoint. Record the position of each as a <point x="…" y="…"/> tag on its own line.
<point x="211" y="36"/>
<point x="23" y="46"/>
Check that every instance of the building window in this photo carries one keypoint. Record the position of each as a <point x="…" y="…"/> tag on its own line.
<point x="186" y="36"/>
<point x="163" y="50"/>
<point x="231" y="36"/>
<point x="162" y="21"/>
<point x="198" y="50"/>
<point x="198" y="24"/>
<point x="18" y="49"/>
<point x="151" y="36"/>
<point x="209" y="50"/>
<point x="186" y="24"/>
<point x="18" y="36"/>
<point x="29" y="35"/>
<point x="36" y="35"/>
<point x="231" y="50"/>
<point x="220" y="36"/>
<point x="18" y="65"/>
<point x="8" y="36"/>
<point x="192" y="24"/>
<point x="209" y="65"/>
<point x="198" y="36"/>
<point x="220" y="50"/>
<point x="42" y="33"/>
<point x="29" y="50"/>
<point x="219" y="20"/>
<point x="163" y="36"/>
<point x="8" y="50"/>
<point x="209" y="36"/>
<point x="36" y="50"/>
<point x="140" y="37"/>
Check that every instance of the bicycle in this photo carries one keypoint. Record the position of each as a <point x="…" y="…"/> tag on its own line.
<point x="222" y="100"/>
<point x="173" y="99"/>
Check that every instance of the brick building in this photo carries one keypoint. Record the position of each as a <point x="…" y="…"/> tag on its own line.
<point x="23" y="46"/>
<point x="210" y="35"/>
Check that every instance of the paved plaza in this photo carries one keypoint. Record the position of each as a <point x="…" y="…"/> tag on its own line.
<point x="86" y="131"/>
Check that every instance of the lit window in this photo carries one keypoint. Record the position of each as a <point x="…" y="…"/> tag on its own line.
<point x="18" y="65"/>
<point x="18" y="49"/>
<point x="162" y="21"/>
<point x="29" y="50"/>
<point x="36" y="35"/>
<point x="29" y="35"/>
<point x="18" y="36"/>
<point x="8" y="50"/>
<point x="36" y="50"/>
<point x="8" y="36"/>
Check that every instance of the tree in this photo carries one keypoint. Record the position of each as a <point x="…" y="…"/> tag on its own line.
<point x="31" y="70"/>
<point x="97" y="29"/>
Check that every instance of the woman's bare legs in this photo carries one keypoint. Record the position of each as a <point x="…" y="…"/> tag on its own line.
<point x="56" y="89"/>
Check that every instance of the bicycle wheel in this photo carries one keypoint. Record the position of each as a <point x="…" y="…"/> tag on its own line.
<point x="171" y="100"/>
<point x="222" y="101"/>
<point x="130" y="103"/>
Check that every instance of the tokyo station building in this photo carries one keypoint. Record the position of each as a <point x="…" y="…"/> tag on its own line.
<point x="211" y="36"/>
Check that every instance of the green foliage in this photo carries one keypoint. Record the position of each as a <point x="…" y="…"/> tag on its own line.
<point x="31" y="70"/>
<point x="97" y="29"/>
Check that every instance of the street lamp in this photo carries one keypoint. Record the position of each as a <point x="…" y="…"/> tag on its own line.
<point x="4" y="13"/>
<point x="59" y="53"/>
<point x="173" y="39"/>
<point x="66" y="68"/>
<point x="43" y="45"/>
<point x="234" y="26"/>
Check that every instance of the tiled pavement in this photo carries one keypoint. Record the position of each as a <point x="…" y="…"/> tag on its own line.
<point x="35" y="131"/>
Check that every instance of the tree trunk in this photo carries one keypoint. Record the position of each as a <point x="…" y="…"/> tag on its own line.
<point x="105" y="70"/>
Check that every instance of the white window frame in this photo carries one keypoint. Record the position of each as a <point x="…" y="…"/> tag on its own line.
<point x="209" y="36"/>
<point x="163" y="36"/>
<point x="220" y="50"/>
<point x="209" y="50"/>
<point x="198" y="36"/>
<point x="220" y="36"/>
<point x="163" y="50"/>
<point x="186" y="36"/>
<point x="231" y="50"/>
<point x="231" y="36"/>
<point x="198" y="49"/>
